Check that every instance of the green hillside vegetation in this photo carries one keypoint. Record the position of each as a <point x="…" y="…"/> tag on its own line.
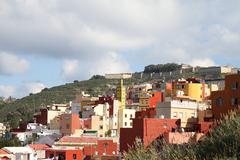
<point x="24" y="109"/>
<point x="168" y="67"/>
<point x="223" y="142"/>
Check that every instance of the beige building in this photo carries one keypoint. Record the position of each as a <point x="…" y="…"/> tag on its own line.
<point x="100" y="124"/>
<point x="100" y="121"/>
<point x="186" y="110"/>
<point x="55" y="123"/>
<point x="118" y="76"/>
<point x="60" y="107"/>
<point x="52" y="114"/>
<point x="215" y="70"/>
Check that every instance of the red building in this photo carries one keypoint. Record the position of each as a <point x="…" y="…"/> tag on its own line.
<point x="150" y="99"/>
<point x="85" y="123"/>
<point x="70" y="147"/>
<point x="64" y="154"/>
<point x="41" y="118"/>
<point x="102" y="148"/>
<point x="156" y="97"/>
<point x="228" y="99"/>
<point x="147" y="129"/>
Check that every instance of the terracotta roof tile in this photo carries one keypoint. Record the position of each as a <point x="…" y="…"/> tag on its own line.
<point x="38" y="146"/>
<point x="67" y="139"/>
<point x="3" y="152"/>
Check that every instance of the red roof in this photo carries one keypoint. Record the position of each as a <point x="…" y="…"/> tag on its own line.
<point x="3" y="152"/>
<point x="67" y="139"/>
<point x="38" y="146"/>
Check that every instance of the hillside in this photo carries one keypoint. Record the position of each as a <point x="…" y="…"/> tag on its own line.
<point x="25" y="108"/>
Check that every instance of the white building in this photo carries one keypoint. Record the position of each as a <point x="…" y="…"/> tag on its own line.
<point x="113" y="121"/>
<point x="186" y="110"/>
<point x="39" y="150"/>
<point x="23" y="136"/>
<point x="125" y="117"/>
<point x="100" y="119"/>
<point x="21" y="153"/>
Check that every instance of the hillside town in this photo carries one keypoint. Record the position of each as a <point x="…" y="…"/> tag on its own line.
<point x="178" y="111"/>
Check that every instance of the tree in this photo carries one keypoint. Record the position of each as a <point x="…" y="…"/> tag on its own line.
<point x="139" y="152"/>
<point x="222" y="142"/>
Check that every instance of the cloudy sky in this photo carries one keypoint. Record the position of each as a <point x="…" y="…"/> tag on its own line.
<point x="44" y="43"/>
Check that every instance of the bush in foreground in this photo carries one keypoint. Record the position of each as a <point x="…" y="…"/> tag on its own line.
<point x="223" y="142"/>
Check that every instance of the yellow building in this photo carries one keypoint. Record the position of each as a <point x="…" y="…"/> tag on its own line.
<point x="121" y="95"/>
<point x="193" y="90"/>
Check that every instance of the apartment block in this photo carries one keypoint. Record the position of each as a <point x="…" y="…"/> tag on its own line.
<point x="69" y="124"/>
<point x="191" y="88"/>
<point x="228" y="99"/>
<point x="184" y="109"/>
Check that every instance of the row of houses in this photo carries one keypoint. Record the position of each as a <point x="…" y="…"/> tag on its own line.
<point x="104" y="127"/>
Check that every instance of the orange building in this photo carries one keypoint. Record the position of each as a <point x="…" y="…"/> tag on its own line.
<point x="69" y="123"/>
<point x="227" y="99"/>
<point x="150" y="99"/>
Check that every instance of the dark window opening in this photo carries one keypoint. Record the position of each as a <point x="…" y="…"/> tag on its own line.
<point x="219" y="101"/>
<point x="234" y="101"/>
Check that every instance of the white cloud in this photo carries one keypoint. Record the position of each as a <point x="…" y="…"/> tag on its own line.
<point x="140" y="32"/>
<point x="7" y="90"/>
<point x="70" y="68"/>
<point x="22" y="90"/>
<point x="109" y="62"/>
<point x="11" y="64"/>
<point x="33" y="87"/>
<point x="206" y="62"/>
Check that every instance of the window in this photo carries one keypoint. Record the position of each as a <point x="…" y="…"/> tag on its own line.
<point x="74" y="156"/>
<point x="67" y="126"/>
<point x="125" y="123"/>
<point x="234" y="85"/>
<point x="115" y="123"/>
<point x="130" y="123"/>
<point x="125" y="115"/>
<point x="219" y="101"/>
<point x="234" y="101"/>
<point x="101" y="127"/>
<point x="180" y="115"/>
<point x="130" y="115"/>
<point x="174" y="114"/>
<point x="101" y="118"/>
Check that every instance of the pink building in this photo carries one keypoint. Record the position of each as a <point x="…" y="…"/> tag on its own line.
<point x="69" y="123"/>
